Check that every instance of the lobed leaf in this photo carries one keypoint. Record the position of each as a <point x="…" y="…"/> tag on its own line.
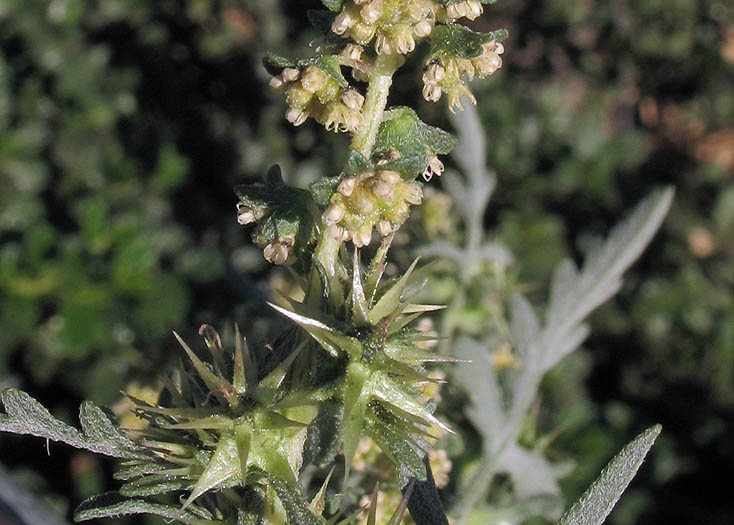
<point x="287" y="211"/>
<point x="408" y="142"/>
<point x="25" y="415"/>
<point x="454" y="40"/>
<point x="113" y="505"/>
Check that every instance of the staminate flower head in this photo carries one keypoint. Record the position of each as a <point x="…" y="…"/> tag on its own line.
<point x="376" y="199"/>
<point x="311" y="91"/>
<point x="394" y="26"/>
<point x="448" y="74"/>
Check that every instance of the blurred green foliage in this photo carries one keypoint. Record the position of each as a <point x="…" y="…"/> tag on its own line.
<point x="123" y="126"/>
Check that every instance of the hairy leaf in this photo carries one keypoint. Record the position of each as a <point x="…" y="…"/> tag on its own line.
<point x="296" y="507"/>
<point x="454" y="40"/>
<point x="406" y="143"/>
<point x="274" y="64"/>
<point x="25" y="415"/>
<point x="112" y="505"/>
<point x="574" y="295"/>
<point x="597" y="502"/>
<point x="287" y="211"/>
<point x="333" y="5"/>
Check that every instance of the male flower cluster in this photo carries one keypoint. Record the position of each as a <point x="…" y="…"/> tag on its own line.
<point x="312" y="92"/>
<point x="448" y="74"/>
<point x="379" y="199"/>
<point x="394" y="24"/>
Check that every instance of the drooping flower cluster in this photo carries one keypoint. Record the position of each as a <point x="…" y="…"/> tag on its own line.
<point x="374" y="199"/>
<point x="395" y="25"/>
<point x="312" y="92"/>
<point x="449" y="74"/>
<point x="469" y="9"/>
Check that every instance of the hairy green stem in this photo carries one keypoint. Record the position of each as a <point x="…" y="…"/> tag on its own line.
<point x="327" y="251"/>
<point x="375" y="102"/>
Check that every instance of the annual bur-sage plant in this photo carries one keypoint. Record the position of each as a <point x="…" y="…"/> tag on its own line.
<point x="230" y="437"/>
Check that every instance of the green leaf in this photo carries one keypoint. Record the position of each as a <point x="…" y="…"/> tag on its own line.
<point x="323" y="188"/>
<point x="287" y="211"/>
<point x="454" y="40"/>
<point x="356" y="163"/>
<point x="391" y="298"/>
<point x="406" y="142"/>
<point x="323" y="440"/>
<point x="112" y="505"/>
<point x="399" y="450"/>
<point x="597" y="502"/>
<point x="296" y="507"/>
<point x="154" y="485"/>
<point x="223" y="466"/>
<point x="25" y="415"/>
<point x="274" y="64"/>
<point x="333" y="5"/>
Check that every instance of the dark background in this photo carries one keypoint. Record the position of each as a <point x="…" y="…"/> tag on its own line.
<point x="124" y="126"/>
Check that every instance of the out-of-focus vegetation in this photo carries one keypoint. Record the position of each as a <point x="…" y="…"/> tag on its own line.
<point x="124" y="125"/>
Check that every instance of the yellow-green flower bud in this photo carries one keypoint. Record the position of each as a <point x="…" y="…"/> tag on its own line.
<point x="313" y="79"/>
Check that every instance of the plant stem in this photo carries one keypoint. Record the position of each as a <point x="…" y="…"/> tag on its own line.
<point x="327" y="251"/>
<point x="375" y="102"/>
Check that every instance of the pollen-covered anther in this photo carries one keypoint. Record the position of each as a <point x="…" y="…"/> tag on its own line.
<point x="455" y="98"/>
<point x="383" y="45"/>
<point x="277" y="252"/>
<point x="277" y="84"/>
<point x="362" y="237"/>
<point x="403" y="41"/>
<point x="339" y="233"/>
<point x="414" y="194"/>
<point x="333" y="214"/>
<point x="391" y="177"/>
<point x="469" y="9"/>
<point x="353" y="99"/>
<point x="422" y="29"/>
<point x="342" y="22"/>
<point x="432" y="92"/>
<point x="435" y="167"/>
<point x="489" y="61"/>
<point x="296" y="116"/>
<point x="372" y="11"/>
<point x="346" y="187"/>
<point x="352" y="52"/>
<point x="290" y="74"/>
<point x="245" y="214"/>
<point x="385" y="228"/>
<point x="432" y="77"/>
